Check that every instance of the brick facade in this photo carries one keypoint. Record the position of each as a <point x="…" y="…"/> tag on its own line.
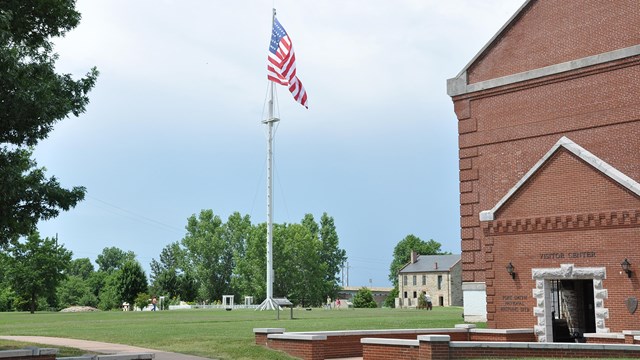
<point x="513" y="103"/>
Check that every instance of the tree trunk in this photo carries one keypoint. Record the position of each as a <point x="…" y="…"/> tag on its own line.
<point x="33" y="304"/>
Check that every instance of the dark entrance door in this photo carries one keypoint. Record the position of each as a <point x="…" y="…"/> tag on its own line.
<point x="573" y="309"/>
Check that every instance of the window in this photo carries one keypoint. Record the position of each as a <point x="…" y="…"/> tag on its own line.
<point x="404" y="280"/>
<point x="415" y="295"/>
<point x="439" y="282"/>
<point x="405" y="295"/>
<point x="424" y="279"/>
<point x="414" y="281"/>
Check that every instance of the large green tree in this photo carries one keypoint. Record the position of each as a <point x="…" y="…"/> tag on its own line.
<point x="131" y="281"/>
<point x="299" y="270"/>
<point x="113" y="258"/>
<point x="33" y="97"/>
<point x="251" y="269"/>
<point x="37" y="266"/>
<point x="331" y="254"/>
<point x="170" y="276"/>
<point x="209" y="255"/>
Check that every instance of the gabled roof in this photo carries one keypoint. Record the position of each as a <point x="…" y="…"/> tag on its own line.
<point x="431" y="263"/>
<point x="580" y="152"/>
<point x="459" y="84"/>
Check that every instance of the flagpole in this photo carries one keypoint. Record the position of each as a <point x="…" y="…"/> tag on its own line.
<point x="269" y="303"/>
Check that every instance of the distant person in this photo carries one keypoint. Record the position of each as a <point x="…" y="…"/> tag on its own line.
<point x="427" y="298"/>
<point x="154" y="302"/>
<point x="337" y="303"/>
<point x="328" y="302"/>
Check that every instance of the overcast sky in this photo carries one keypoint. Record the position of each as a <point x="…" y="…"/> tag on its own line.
<point x="174" y="124"/>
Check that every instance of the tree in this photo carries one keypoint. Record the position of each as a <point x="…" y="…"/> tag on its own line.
<point x="364" y="299"/>
<point x="331" y="254"/>
<point x="299" y="270"/>
<point x="390" y="301"/>
<point x="208" y="255"/>
<point x="142" y="301"/>
<point x="75" y="291"/>
<point x="131" y="281"/>
<point x="112" y="259"/>
<point x="251" y="269"/>
<point x="235" y="233"/>
<point x="37" y="267"/>
<point x="82" y="268"/>
<point x="165" y="273"/>
<point x="33" y="97"/>
<point x="402" y="253"/>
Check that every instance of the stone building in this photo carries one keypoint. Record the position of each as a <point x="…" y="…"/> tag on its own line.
<point x="440" y="276"/>
<point x="549" y="138"/>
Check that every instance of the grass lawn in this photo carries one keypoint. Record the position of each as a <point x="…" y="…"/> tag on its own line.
<point x="214" y="333"/>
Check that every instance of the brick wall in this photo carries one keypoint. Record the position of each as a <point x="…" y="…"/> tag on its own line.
<point x="505" y="130"/>
<point x="555" y="31"/>
<point x="385" y="352"/>
<point x="307" y="350"/>
<point x="436" y="348"/>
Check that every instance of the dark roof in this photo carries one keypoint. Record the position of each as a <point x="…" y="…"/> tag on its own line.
<point x="431" y="263"/>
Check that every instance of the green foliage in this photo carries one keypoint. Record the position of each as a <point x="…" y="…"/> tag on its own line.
<point x="36" y="268"/>
<point x="402" y="253"/>
<point x="33" y="97"/>
<point x="7" y="299"/>
<point x="390" y="301"/>
<point x="27" y="195"/>
<point x="364" y="299"/>
<point x="331" y="254"/>
<point x="131" y="281"/>
<point x="300" y="271"/>
<point x="75" y="291"/>
<point x="142" y="301"/>
<point x="109" y="297"/>
<point x="113" y="258"/>
<point x="208" y="254"/>
<point x="250" y="278"/>
<point x="81" y="267"/>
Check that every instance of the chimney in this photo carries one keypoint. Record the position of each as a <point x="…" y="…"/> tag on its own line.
<point x="414" y="257"/>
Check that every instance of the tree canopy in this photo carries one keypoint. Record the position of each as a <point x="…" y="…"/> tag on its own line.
<point x="36" y="268"/>
<point x="33" y="97"/>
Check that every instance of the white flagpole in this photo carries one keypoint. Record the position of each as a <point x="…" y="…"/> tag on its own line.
<point x="269" y="303"/>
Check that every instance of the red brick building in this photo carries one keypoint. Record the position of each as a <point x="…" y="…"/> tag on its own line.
<point x="549" y="145"/>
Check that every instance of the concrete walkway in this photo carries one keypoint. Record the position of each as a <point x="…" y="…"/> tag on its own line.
<point x="101" y="347"/>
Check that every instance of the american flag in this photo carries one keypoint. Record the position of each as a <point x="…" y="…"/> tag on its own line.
<point x="281" y="67"/>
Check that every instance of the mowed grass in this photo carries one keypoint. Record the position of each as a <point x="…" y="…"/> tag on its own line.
<point x="215" y="334"/>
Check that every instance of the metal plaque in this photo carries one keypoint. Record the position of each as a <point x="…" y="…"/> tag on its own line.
<point x="632" y="304"/>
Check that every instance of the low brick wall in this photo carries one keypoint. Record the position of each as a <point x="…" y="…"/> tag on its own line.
<point x="308" y="347"/>
<point x="345" y="344"/>
<point x="439" y="347"/>
<point x="629" y="337"/>
<point x="493" y="335"/>
<point x="127" y="356"/>
<point x="397" y="349"/>
<point x="31" y="353"/>
<point x="462" y="342"/>
<point x="341" y="344"/>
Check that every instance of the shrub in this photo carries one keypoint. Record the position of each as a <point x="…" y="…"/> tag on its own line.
<point x="364" y="299"/>
<point x="142" y="301"/>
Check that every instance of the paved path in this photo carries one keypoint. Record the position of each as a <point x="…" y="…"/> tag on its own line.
<point x="101" y="347"/>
